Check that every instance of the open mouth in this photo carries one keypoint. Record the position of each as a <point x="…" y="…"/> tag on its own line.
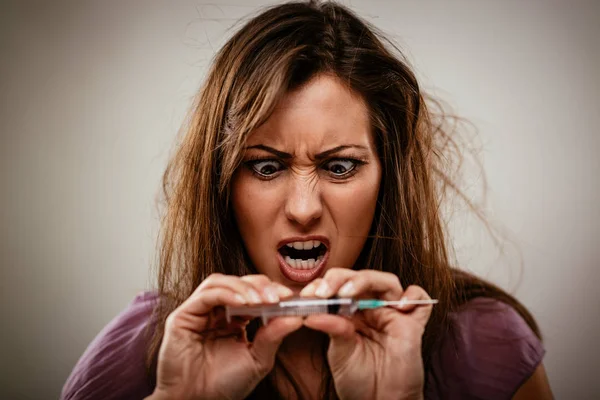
<point x="303" y="255"/>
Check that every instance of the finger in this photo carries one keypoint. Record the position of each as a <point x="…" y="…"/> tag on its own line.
<point x="332" y="280"/>
<point x="268" y="339"/>
<point x="220" y="322"/>
<point x="333" y="325"/>
<point x="282" y="290"/>
<point x="342" y="335"/>
<point x="268" y="289"/>
<point x="192" y="313"/>
<point x="242" y="319"/>
<point x="309" y="290"/>
<point x="232" y="282"/>
<point x="422" y="312"/>
<point x="405" y="323"/>
<point x="386" y="284"/>
<point x="223" y="332"/>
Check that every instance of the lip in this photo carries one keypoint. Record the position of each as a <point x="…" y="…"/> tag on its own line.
<point x="302" y="275"/>
<point x="320" y="238"/>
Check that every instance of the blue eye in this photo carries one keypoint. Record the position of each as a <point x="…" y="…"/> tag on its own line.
<point x="265" y="168"/>
<point x="341" y="167"/>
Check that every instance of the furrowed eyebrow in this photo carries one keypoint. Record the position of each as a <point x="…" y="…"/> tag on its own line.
<point x="278" y="153"/>
<point x="319" y="156"/>
<point x="329" y="152"/>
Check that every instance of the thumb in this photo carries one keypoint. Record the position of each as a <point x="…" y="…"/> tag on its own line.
<point x="420" y="313"/>
<point x="268" y="339"/>
<point x="342" y="336"/>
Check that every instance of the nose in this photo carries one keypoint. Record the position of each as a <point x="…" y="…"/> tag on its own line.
<point x="303" y="204"/>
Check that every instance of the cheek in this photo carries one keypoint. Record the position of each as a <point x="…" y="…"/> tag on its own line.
<point x="353" y="206"/>
<point x="254" y="209"/>
<point x="352" y="209"/>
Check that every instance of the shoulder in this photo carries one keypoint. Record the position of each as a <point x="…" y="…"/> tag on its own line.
<point x="489" y="352"/>
<point x="113" y="365"/>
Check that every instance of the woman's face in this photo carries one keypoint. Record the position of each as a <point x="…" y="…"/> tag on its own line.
<point x="305" y="196"/>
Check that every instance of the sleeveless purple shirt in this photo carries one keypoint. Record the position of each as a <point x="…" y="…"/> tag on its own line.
<point x="489" y="354"/>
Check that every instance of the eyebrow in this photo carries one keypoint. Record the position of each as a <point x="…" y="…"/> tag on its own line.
<point x="319" y="156"/>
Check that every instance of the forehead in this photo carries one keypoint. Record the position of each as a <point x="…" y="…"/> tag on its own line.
<point x="322" y="112"/>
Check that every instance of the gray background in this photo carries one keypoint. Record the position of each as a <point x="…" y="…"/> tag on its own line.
<point x="92" y="95"/>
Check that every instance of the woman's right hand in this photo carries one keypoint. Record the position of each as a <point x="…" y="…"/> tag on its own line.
<point x="203" y="357"/>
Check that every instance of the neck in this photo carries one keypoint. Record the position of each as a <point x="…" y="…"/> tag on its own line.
<point x="302" y="343"/>
<point x="301" y="354"/>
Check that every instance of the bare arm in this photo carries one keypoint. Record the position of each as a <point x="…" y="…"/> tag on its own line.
<point x="536" y="387"/>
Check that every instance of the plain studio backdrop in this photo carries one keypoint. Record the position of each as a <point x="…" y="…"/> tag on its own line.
<point x="92" y="95"/>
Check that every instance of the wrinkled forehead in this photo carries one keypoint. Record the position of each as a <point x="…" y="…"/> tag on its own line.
<point x="322" y="113"/>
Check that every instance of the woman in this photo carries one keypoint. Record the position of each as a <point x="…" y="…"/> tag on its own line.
<point x="312" y="167"/>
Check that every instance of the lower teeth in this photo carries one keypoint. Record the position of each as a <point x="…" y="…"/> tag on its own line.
<point x="304" y="264"/>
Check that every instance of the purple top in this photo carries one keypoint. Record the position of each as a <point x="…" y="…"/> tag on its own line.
<point x="493" y="353"/>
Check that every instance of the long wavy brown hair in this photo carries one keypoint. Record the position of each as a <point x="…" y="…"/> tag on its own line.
<point x="275" y="52"/>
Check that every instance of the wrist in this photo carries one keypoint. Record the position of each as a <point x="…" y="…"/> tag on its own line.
<point x="155" y="396"/>
<point x="161" y="395"/>
<point x="415" y="396"/>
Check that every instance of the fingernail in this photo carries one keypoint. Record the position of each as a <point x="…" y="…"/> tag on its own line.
<point x="308" y="290"/>
<point x="401" y="303"/>
<point x="347" y="290"/>
<point x="240" y="299"/>
<point x="271" y="295"/>
<point x="254" y="297"/>
<point x="323" y="289"/>
<point x="284" y="291"/>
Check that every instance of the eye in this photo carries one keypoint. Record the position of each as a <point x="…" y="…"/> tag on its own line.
<point x="341" y="167"/>
<point x="265" y="168"/>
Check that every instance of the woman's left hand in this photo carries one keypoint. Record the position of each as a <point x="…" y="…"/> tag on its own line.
<point x="375" y="354"/>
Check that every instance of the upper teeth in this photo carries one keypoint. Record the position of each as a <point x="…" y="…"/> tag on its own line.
<point x="309" y="244"/>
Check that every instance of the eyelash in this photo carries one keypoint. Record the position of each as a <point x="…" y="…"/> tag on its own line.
<point x="253" y="160"/>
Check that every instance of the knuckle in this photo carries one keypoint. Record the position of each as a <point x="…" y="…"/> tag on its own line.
<point x="212" y="278"/>
<point x="393" y="278"/>
<point x="263" y="368"/>
<point x="414" y="288"/>
<point x="257" y="278"/>
<point x="171" y="319"/>
<point x="333" y="273"/>
<point x="316" y="282"/>
<point x="369" y="275"/>
<point x="423" y="292"/>
<point x="388" y="276"/>
<point x="369" y="272"/>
